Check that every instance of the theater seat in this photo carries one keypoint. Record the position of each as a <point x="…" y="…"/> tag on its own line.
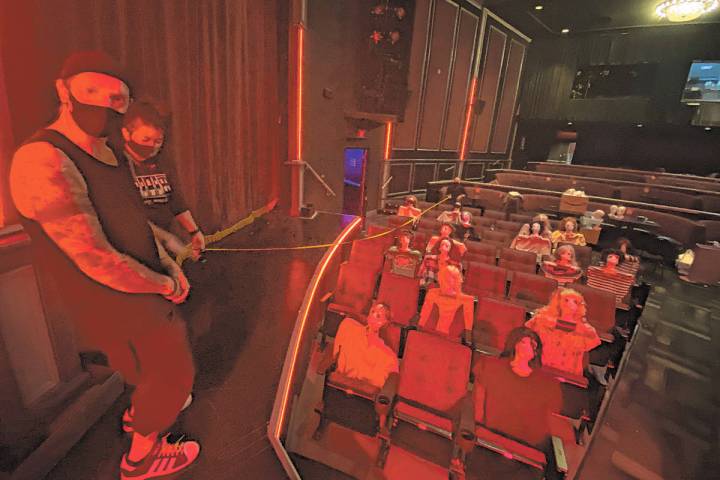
<point x="483" y="252"/>
<point x="494" y="319"/>
<point x="352" y="296"/>
<point x="401" y="295"/>
<point x="420" y="241"/>
<point x="496" y="214"/>
<point x="434" y="375"/>
<point x="507" y="226"/>
<point x="428" y="225"/>
<point x="370" y="253"/>
<point x="600" y="309"/>
<point x="500" y="238"/>
<point x="530" y="290"/>
<point x="483" y="280"/>
<point x="353" y="403"/>
<point x="518" y="261"/>
<point x="520" y="218"/>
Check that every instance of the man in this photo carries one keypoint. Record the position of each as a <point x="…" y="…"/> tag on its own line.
<point x="143" y="134"/>
<point x="456" y="190"/>
<point x="91" y="236"/>
<point x="361" y="353"/>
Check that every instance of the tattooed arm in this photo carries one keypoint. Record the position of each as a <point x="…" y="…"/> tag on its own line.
<point x="48" y="188"/>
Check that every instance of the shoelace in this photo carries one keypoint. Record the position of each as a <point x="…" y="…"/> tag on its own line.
<point x="171" y="449"/>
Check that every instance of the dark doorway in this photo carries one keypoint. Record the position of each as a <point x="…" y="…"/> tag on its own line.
<point x="354" y="181"/>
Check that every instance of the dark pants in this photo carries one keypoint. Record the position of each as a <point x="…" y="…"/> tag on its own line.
<point x="146" y="341"/>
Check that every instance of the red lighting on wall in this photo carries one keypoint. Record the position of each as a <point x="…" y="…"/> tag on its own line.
<point x="301" y="47"/>
<point x="388" y="139"/>
<point x="468" y="115"/>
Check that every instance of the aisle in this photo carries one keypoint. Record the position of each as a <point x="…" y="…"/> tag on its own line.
<point x="241" y="314"/>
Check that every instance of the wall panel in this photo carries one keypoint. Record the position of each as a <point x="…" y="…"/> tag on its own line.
<point x="508" y="100"/>
<point x="466" y="41"/>
<point x="488" y="90"/>
<point x="438" y="74"/>
<point x="405" y="131"/>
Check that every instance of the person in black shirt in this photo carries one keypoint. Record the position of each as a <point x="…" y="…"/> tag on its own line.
<point x="91" y="238"/>
<point x="455" y="190"/>
<point x="143" y="134"/>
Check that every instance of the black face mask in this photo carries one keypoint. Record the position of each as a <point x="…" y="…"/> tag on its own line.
<point x="93" y="120"/>
<point x="142" y="151"/>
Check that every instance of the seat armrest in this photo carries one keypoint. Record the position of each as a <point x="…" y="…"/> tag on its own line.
<point x="464" y="435"/>
<point x="386" y="395"/>
<point x="326" y="298"/>
<point x="561" y="464"/>
<point x="326" y="362"/>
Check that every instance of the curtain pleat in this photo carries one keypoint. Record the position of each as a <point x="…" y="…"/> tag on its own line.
<point x="213" y="62"/>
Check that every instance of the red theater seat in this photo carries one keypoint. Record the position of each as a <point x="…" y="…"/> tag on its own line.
<point x="428" y="225"/>
<point x="370" y="253"/>
<point x="483" y="280"/>
<point x="519" y="436"/>
<point x="434" y="375"/>
<point x="420" y="241"/>
<point x="496" y="214"/>
<point x="518" y="261"/>
<point x="352" y="296"/>
<point x="484" y="222"/>
<point x="494" y="319"/>
<point x="600" y="309"/>
<point x="500" y="238"/>
<point x="401" y="295"/>
<point x="520" y="218"/>
<point x="508" y="226"/>
<point x="530" y="290"/>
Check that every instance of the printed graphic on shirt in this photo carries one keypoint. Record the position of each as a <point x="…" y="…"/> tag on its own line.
<point x="154" y="189"/>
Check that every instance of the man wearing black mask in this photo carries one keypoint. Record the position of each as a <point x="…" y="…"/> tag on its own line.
<point x="91" y="236"/>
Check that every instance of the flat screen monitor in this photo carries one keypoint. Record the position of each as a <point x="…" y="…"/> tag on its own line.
<point x="703" y="82"/>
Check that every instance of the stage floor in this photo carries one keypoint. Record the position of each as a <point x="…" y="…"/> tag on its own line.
<point x="241" y="316"/>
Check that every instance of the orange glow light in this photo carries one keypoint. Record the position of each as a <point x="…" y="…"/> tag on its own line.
<point x="301" y="47"/>
<point x="463" y="144"/>
<point x="388" y="139"/>
<point x="305" y="313"/>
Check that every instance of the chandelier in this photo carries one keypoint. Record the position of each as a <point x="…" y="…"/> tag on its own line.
<point x="685" y="10"/>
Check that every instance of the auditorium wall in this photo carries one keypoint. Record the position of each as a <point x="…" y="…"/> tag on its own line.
<point x="331" y="69"/>
<point x="608" y="131"/>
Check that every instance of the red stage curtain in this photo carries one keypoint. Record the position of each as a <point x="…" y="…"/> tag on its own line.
<point x="214" y="63"/>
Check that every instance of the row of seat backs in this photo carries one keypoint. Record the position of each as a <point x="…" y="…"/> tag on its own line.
<point x="528" y="180"/>
<point x="531" y="291"/>
<point x="637" y="193"/>
<point x="681" y="229"/>
<point x="697" y="183"/>
<point x="433" y="388"/>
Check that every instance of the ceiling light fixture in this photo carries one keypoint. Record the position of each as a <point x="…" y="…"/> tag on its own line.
<point x="539" y="7"/>
<point x="685" y="10"/>
<point x="565" y="30"/>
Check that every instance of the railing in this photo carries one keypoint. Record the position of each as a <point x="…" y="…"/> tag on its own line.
<point x="412" y="175"/>
<point x="299" y="351"/>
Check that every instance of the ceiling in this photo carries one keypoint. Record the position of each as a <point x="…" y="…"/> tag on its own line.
<point x="584" y="16"/>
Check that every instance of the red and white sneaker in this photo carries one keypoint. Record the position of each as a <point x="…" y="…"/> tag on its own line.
<point x="164" y="459"/>
<point x="127" y="418"/>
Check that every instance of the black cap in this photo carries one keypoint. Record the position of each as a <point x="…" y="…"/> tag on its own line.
<point x="92" y="61"/>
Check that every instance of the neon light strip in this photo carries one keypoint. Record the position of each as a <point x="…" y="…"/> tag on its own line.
<point x="388" y="139"/>
<point x="301" y="47"/>
<point x="468" y="114"/>
<point x="289" y="368"/>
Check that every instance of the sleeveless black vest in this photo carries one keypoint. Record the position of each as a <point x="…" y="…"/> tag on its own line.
<point x="122" y="217"/>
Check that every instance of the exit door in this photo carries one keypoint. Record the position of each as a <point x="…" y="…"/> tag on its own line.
<point x="354" y="196"/>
